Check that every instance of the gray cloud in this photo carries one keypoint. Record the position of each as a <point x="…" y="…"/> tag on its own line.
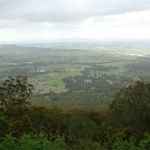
<point x="66" y="10"/>
<point x="48" y="19"/>
<point x="109" y="7"/>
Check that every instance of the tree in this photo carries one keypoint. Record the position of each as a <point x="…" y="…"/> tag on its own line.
<point x="131" y="108"/>
<point x="79" y="127"/>
<point x="15" y="91"/>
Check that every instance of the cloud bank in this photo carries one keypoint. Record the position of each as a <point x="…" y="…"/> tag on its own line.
<point x="25" y="20"/>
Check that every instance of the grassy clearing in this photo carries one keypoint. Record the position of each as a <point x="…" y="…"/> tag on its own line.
<point x="58" y="85"/>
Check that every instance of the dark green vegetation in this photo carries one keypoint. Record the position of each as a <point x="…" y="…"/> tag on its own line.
<point x="124" y="125"/>
<point x="84" y="96"/>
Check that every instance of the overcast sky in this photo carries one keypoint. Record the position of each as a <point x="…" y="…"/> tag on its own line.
<point x="39" y="20"/>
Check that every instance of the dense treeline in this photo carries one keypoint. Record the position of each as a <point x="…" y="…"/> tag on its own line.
<point x="125" y="125"/>
<point x="97" y="85"/>
<point x="140" y="68"/>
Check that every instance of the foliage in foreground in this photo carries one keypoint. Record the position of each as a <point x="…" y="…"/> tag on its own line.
<point x="125" y="125"/>
<point x="36" y="142"/>
<point x="15" y="91"/>
<point x="28" y="142"/>
<point x="121" y="144"/>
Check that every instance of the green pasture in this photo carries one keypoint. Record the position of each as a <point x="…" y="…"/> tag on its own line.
<point x="57" y="83"/>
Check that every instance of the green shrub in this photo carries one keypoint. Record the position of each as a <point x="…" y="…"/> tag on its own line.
<point x="32" y="142"/>
<point x="121" y="144"/>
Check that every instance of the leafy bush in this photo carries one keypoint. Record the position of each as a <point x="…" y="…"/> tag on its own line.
<point x="121" y="144"/>
<point x="35" y="142"/>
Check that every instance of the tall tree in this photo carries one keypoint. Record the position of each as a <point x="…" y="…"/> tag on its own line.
<point x="131" y="107"/>
<point x="15" y="91"/>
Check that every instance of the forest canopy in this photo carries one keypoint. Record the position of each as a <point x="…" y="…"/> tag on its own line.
<point x="126" y="122"/>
